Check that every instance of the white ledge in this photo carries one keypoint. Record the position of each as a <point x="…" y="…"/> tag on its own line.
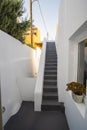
<point x="80" y="106"/>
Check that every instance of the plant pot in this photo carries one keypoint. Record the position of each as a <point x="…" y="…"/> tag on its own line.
<point x="77" y="98"/>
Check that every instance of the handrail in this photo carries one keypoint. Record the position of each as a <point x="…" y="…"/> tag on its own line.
<point x="39" y="83"/>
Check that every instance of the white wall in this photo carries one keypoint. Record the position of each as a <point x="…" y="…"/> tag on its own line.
<point x="10" y="95"/>
<point x="16" y="61"/>
<point x="39" y="83"/>
<point x="71" y="30"/>
<point x="27" y="88"/>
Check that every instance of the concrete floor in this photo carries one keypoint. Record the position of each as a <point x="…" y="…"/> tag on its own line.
<point x="27" y="119"/>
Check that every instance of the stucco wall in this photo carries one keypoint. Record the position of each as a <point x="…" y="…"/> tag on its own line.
<point x="39" y="83"/>
<point x="72" y="22"/>
<point x="16" y="61"/>
<point x="26" y="87"/>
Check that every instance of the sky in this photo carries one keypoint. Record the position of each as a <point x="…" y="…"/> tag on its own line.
<point x="50" y="13"/>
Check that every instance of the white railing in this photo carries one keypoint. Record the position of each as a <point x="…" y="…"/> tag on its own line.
<point x="39" y="83"/>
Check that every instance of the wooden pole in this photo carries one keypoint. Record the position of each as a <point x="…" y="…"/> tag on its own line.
<point x="31" y="31"/>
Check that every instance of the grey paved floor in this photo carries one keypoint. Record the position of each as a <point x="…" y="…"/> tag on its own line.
<point x="27" y="119"/>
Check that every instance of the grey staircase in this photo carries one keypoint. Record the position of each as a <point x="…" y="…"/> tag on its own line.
<point x="50" y="92"/>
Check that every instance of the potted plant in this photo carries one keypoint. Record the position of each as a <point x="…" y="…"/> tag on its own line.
<point x="78" y="91"/>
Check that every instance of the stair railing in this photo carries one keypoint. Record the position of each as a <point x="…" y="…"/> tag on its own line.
<point x="39" y="83"/>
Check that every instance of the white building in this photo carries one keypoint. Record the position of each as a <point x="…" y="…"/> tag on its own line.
<point x="17" y="65"/>
<point x="72" y="31"/>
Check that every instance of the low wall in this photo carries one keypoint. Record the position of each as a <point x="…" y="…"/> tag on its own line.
<point x="39" y="83"/>
<point x="16" y="61"/>
<point x="10" y="95"/>
<point x="26" y="87"/>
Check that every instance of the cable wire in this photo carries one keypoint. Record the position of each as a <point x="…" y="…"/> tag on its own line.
<point x="42" y="17"/>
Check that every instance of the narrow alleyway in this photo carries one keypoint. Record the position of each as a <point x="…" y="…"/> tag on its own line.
<point x="27" y="119"/>
<point x="52" y="116"/>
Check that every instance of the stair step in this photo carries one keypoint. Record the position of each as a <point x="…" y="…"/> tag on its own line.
<point x="50" y="77"/>
<point x="52" y="105"/>
<point x="51" y="50"/>
<point x="52" y="58"/>
<point x="51" y="53"/>
<point x="50" y="88"/>
<point x="51" y="61"/>
<point x="50" y="82"/>
<point x="50" y="96"/>
<point x="51" y="64"/>
<point x="50" y="67"/>
<point x="50" y="72"/>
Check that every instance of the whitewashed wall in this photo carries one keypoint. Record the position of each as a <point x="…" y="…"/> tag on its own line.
<point x="26" y="87"/>
<point x="39" y="83"/>
<point x="72" y="29"/>
<point x="11" y="98"/>
<point x="16" y="61"/>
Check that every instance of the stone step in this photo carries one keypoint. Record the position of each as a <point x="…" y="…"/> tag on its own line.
<point x="50" y="77"/>
<point x="51" y="53"/>
<point x="50" y="96"/>
<point x="51" y="64"/>
<point x="51" y="57"/>
<point x="50" y="88"/>
<point x="51" y="61"/>
<point x="52" y="105"/>
<point x="49" y="72"/>
<point x="50" y="68"/>
<point x="50" y="82"/>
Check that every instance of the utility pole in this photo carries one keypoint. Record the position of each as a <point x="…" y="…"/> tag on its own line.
<point x="31" y="31"/>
